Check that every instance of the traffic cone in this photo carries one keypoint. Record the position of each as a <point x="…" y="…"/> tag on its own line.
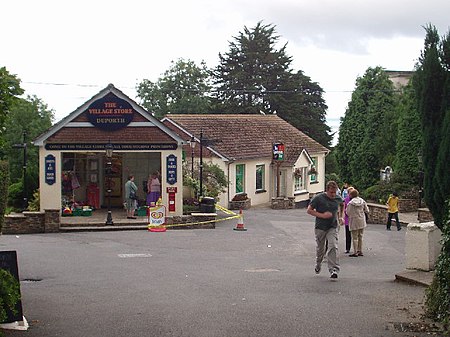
<point x="240" y="224"/>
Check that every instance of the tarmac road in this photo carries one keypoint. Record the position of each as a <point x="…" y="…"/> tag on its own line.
<point x="212" y="282"/>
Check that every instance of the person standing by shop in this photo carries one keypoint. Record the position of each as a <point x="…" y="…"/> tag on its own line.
<point x="327" y="207"/>
<point x="392" y="205"/>
<point x="154" y="189"/>
<point x="130" y="197"/>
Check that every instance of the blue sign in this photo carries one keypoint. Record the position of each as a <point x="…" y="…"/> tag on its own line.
<point x="171" y="167"/>
<point x="110" y="113"/>
<point x="50" y="169"/>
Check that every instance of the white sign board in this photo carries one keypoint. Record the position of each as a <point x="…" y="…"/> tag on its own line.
<point x="157" y="215"/>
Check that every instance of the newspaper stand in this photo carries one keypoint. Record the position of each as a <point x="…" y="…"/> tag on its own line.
<point x="157" y="219"/>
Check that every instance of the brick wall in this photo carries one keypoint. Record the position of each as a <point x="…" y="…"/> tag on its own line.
<point x="283" y="203"/>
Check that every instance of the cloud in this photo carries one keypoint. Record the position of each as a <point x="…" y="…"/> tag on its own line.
<point x="349" y="25"/>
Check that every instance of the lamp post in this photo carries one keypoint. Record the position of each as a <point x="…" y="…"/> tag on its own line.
<point x="201" y="165"/>
<point x="192" y="144"/>
<point x="109" y="153"/>
<point x="24" y="169"/>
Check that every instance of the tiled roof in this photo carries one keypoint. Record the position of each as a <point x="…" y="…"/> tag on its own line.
<point x="241" y="136"/>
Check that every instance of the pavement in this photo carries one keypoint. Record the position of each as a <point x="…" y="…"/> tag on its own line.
<point x="96" y="222"/>
<point x="213" y="282"/>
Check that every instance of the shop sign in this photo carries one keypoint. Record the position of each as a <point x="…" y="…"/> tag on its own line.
<point x="171" y="169"/>
<point x="101" y="147"/>
<point x="110" y="113"/>
<point x="50" y="169"/>
<point x="278" y="151"/>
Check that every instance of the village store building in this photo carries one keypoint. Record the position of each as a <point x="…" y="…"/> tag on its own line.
<point x="263" y="156"/>
<point x="73" y="164"/>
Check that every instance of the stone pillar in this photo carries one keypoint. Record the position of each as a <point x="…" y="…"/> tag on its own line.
<point x="52" y="220"/>
<point x="422" y="246"/>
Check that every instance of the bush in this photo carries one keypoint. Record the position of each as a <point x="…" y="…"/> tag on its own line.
<point x="438" y="294"/>
<point x="9" y="294"/>
<point x="4" y="182"/>
<point x="380" y="193"/>
<point x="15" y="196"/>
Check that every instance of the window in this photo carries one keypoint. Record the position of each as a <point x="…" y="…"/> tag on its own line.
<point x="240" y="174"/>
<point x="300" y="179"/>
<point x="260" y="170"/>
<point x="313" y="177"/>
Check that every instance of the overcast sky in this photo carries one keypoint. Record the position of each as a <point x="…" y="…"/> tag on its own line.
<point x="65" y="52"/>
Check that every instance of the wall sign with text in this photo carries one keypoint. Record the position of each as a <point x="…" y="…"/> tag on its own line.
<point x="50" y="169"/>
<point x="278" y="151"/>
<point x="110" y="113"/>
<point x="171" y="169"/>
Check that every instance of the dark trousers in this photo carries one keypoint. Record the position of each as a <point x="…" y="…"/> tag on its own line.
<point x="389" y="221"/>
<point x="348" y="239"/>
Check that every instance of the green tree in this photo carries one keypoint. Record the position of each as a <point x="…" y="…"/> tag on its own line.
<point x="409" y="141"/>
<point x="183" y="88"/>
<point x="32" y="117"/>
<point x="255" y="76"/>
<point x="429" y="80"/>
<point x="250" y="70"/>
<point x="432" y="85"/>
<point x="9" y="91"/>
<point x="367" y="134"/>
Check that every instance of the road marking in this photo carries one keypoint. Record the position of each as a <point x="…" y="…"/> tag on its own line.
<point x="261" y="270"/>
<point x="133" y="255"/>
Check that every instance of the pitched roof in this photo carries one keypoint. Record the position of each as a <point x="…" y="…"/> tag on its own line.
<point x="83" y="128"/>
<point x="241" y="136"/>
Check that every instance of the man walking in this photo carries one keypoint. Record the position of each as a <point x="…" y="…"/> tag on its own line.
<point x="327" y="207"/>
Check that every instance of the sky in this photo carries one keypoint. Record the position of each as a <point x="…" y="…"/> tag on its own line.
<point x="66" y="52"/>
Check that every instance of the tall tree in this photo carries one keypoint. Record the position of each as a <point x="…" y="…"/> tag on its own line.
<point x="254" y="76"/>
<point x="183" y="88"/>
<point x="409" y="141"/>
<point x="32" y="117"/>
<point x="430" y="79"/>
<point x="250" y="70"/>
<point x="365" y="143"/>
<point x="9" y="91"/>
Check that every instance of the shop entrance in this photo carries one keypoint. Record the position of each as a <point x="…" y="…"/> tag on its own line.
<point x="85" y="178"/>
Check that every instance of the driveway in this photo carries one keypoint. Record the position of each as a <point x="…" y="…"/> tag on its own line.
<point x="212" y="282"/>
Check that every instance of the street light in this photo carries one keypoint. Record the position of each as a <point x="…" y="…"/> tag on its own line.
<point x="201" y="165"/>
<point x="24" y="169"/>
<point x="109" y="153"/>
<point x="192" y="145"/>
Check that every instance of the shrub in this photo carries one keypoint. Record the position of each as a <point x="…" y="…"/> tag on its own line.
<point x="438" y="294"/>
<point x="4" y="182"/>
<point x="9" y="294"/>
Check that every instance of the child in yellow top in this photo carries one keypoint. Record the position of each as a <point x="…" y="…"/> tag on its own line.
<point x="392" y="205"/>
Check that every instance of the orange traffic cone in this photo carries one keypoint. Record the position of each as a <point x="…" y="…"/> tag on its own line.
<point x="240" y="224"/>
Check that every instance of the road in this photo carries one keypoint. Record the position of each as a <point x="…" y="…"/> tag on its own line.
<point x="212" y="282"/>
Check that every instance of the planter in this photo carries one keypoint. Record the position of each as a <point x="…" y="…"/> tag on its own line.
<point x="241" y="204"/>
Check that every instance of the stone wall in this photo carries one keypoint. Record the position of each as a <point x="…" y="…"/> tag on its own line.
<point x="424" y="215"/>
<point x="408" y="205"/>
<point x="377" y="213"/>
<point x="283" y="203"/>
<point x="193" y="221"/>
<point x="241" y="204"/>
<point x="32" y="222"/>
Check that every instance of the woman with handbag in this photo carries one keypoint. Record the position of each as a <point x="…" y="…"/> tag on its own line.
<point x="130" y="197"/>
